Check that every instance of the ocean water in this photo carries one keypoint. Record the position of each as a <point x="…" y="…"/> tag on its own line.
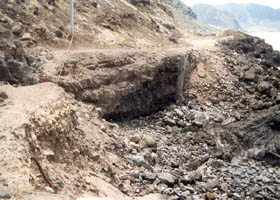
<point x="272" y="38"/>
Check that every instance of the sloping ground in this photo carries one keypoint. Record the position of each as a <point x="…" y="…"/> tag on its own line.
<point x="204" y="146"/>
<point x="44" y="134"/>
<point x="98" y="23"/>
<point x="15" y="113"/>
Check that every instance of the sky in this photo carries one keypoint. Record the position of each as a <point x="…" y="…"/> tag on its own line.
<point x="271" y="3"/>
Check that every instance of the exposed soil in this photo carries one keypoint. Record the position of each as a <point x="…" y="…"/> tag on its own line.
<point x="135" y="108"/>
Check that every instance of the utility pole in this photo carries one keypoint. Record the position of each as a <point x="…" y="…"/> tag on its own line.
<point x="72" y="29"/>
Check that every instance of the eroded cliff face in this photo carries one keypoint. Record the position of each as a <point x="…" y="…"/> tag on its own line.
<point x="128" y="84"/>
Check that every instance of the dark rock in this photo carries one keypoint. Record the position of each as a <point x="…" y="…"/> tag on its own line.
<point x="259" y="153"/>
<point x="151" y="158"/>
<point x="148" y="141"/>
<point x="169" y="26"/>
<point x="169" y="121"/>
<point x="31" y="60"/>
<point x="186" y="180"/>
<point x="264" y="87"/>
<point x="244" y="61"/>
<point x="166" y="178"/>
<point x="218" y="118"/>
<point x="258" y="105"/>
<point x="58" y="33"/>
<point x="14" y="67"/>
<point x="250" y="76"/>
<point x="199" y="121"/>
<point x="175" y="164"/>
<point x="141" y="2"/>
<point x="125" y="188"/>
<point x="263" y="136"/>
<point x="4" y="32"/>
<point x="139" y="160"/>
<point x="148" y="176"/>
<point x="17" y="29"/>
<point x="179" y="112"/>
<point x="3" y="95"/>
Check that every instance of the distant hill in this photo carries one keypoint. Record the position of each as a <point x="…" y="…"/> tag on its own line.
<point x="254" y="17"/>
<point x="210" y="15"/>
<point x="185" y="15"/>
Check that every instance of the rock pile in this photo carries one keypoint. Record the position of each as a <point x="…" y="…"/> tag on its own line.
<point x="19" y="67"/>
<point x="214" y="147"/>
<point x="196" y="164"/>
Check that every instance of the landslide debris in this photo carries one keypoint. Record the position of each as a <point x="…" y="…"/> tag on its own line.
<point x="215" y="143"/>
<point x="188" y="124"/>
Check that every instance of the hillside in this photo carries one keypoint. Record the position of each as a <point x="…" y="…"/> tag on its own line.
<point x="254" y="17"/>
<point x="99" y="23"/>
<point x="133" y="106"/>
<point x="210" y="15"/>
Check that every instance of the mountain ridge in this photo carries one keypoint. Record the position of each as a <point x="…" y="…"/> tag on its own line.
<point x="185" y="16"/>
<point x="249" y="17"/>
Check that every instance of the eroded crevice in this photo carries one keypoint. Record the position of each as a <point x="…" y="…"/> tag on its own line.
<point x="152" y="96"/>
<point x="165" y="88"/>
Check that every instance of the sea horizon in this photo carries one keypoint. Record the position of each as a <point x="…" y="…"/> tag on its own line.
<point x="271" y="38"/>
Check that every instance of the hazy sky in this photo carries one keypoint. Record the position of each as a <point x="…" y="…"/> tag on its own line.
<point x="271" y="3"/>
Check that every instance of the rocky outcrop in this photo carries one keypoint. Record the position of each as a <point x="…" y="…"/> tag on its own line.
<point x="179" y="6"/>
<point x="19" y="67"/>
<point x="128" y="85"/>
<point x="141" y="2"/>
<point x="262" y="138"/>
<point x="253" y="46"/>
